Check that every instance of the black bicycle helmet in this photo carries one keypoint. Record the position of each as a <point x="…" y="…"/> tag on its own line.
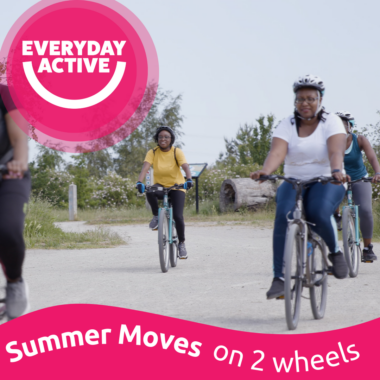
<point x="164" y="128"/>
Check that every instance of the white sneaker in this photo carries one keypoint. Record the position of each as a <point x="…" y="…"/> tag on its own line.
<point x="17" y="299"/>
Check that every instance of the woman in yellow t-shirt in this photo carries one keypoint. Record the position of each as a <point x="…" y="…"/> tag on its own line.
<point x="166" y="161"/>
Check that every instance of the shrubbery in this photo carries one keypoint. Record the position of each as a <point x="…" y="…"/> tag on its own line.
<point x="110" y="191"/>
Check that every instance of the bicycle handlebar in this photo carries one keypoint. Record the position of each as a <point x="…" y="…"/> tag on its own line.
<point x="161" y="188"/>
<point x="3" y="171"/>
<point x="363" y="179"/>
<point x="274" y="178"/>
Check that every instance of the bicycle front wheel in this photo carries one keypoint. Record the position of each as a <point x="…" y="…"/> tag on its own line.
<point x="293" y="275"/>
<point x="163" y="241"/>
<point x="318" y="268"/>
<point x="174" y="247"/>
<point x="351" y="251"/>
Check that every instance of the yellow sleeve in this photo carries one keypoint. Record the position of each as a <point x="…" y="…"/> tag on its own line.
<point x="181" y="159"/>
<point x="149" y="156"/>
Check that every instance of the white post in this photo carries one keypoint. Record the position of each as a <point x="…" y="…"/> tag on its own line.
<point x="73" y="202"/>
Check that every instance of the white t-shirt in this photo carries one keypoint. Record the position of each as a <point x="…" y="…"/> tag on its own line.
<point x="308" y="157"/>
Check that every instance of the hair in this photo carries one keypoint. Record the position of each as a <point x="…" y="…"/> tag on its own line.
<point x="159" y="131"/>
<point x="297" y="120"/>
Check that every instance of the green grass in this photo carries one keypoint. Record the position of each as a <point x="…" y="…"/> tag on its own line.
<point x="208" y="212"/>
<point x="40" y="231"/>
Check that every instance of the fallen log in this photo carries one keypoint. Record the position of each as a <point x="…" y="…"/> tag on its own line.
<point x="244" y="192"/>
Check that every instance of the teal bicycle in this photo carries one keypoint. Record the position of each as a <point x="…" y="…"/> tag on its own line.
<point x="350" y="231"/>
<point x="167" y="233"/>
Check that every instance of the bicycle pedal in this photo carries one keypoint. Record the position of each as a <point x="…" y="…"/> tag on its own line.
<point x="330" y="271"/>
<point x="280" y="298"/>
<point x="367" y="261"/>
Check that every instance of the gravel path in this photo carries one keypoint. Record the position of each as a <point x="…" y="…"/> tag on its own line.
<point x="223" y="283"/>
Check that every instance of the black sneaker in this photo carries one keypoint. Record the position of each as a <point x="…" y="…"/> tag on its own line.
<point x="154" y="223"/>
<point x="338" y="219"/>
<point x="340" y="268"/>
<point x="368" y="254"/>
<point x="276" y="289"/>
<point x="182" y="253"/>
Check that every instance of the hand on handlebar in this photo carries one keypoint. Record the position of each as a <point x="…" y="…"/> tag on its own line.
<point x="16" y="169"/>
<point x="188" y="184"/>
<point x="340" y="177"/>
<point x="257" y="174"/>
<point x="140" y="187"/>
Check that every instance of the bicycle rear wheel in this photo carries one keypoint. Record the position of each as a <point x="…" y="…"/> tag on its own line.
<point x="163" y="241"/>
<point x="318" y="268"/>
<point x="351" y="251"/>
<point x="174" y="247"/>
<point x="293" y="275"/>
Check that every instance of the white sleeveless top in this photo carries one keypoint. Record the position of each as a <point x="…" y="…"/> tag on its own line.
<point x="308" y="157"/>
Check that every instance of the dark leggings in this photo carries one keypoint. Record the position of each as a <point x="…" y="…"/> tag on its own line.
<point x="320" y="202"/>
<point x="14" y="195"/>
<point x="362" y="194"/>
<point x="177" y="199"/>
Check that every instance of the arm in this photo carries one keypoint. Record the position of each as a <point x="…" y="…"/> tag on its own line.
<point x="144" y="170"/>
<point x="19" y="142"/>
<point x="186" y="168"/>
<point x="365" y="145"/>
<point x="275" y="158"/>
<point x="336" y="146"/>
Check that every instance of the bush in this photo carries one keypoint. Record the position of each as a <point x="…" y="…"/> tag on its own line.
<point x="52" y="186"/>
<point x="114" y="191"/>
<point x="211" y="181"/>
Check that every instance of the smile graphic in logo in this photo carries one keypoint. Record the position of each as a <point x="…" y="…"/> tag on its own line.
<point x="83" y="74"/>
<point x="67" y="47"/>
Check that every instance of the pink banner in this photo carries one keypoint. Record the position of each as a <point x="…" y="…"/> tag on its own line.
<point x="98" y="342"/>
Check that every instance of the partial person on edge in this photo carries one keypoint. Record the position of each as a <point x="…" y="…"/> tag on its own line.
<point x="15" y="189"/>
<point x="361" y="191"/>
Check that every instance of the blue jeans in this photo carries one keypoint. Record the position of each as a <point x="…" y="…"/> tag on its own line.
<point x="320" y="202"/>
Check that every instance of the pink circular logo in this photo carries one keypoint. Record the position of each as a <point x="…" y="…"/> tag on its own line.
<point x="84" y="74"/>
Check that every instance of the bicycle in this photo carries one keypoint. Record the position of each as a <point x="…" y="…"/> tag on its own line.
<point x="350" y="231"/>
<point x="305" y="258"/>
<point x="167" y="233"/>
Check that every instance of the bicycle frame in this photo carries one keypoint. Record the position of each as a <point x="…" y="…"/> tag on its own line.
<point x="356" y="208"/>
<point x="297" y="219"/>
<point x="306" y="233"/>
<point x="169" y="214"/>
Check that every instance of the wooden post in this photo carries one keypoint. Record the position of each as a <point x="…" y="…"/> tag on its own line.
<point x="149" y="181"/>
<point x="73" y="214"/>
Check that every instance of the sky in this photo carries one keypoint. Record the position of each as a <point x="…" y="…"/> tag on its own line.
<point x="233" y="61"/>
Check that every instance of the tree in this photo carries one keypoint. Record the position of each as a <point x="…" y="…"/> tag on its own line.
<point x="251" y="144"/>
<point x="166" y="110"/>
<point x="98" y="164"/>
<point x="48" y="158"/>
